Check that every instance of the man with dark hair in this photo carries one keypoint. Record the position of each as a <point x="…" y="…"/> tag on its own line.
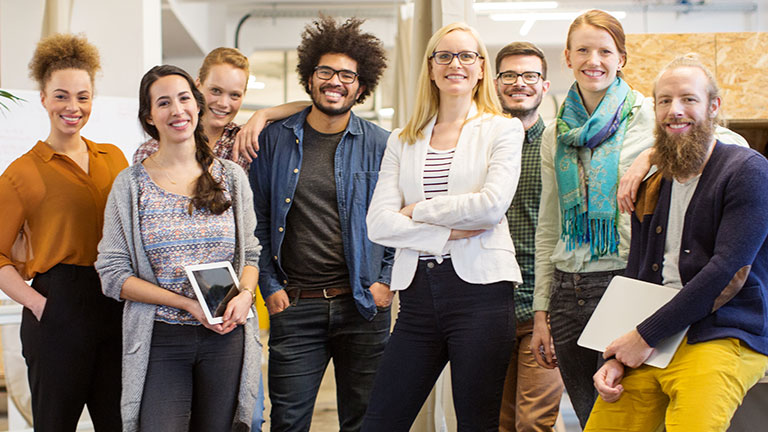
<point x="699" y="225"/>
<point x="325" y="284"/>
<point x="532" y="393"/>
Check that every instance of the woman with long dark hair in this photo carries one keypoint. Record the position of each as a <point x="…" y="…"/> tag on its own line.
<point x="181" y="206"/>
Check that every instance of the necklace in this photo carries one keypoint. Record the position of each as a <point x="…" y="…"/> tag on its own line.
<point x="162" y="168"/>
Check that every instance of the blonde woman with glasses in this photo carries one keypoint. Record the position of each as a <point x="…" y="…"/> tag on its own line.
<point x="445" y="184"/>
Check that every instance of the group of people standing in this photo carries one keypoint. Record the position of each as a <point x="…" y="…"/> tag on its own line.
<point x="499" y="233"/>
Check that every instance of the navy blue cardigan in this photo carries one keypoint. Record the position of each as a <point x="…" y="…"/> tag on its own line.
<point x="723" y="256"/>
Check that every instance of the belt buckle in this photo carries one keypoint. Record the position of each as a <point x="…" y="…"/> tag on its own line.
<point x="325" y="294"/>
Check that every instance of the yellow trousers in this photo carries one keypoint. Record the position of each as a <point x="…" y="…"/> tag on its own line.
<point x="698" y="392"/>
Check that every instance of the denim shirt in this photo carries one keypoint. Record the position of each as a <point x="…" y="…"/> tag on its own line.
<point x="274" y="175"/>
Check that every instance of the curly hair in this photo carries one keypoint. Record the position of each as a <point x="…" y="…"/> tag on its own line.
<point x="324" y="35"/>
<point x="63" y="51"/>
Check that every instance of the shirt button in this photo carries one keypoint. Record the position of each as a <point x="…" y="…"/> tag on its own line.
<point x="297" y="140"/>
<point x="655" y="267"/>
<point x="285" y="282"/>
<point x="581" y="302"/>
<point x="295" y="170"/>
<point x="658" y="229"/>
<point x="275" y="257"/>
<point x="430" y="265"/>
<point x="577" y="277"/>
<point x="287" y="200"/>
<point x="280" y="229"/>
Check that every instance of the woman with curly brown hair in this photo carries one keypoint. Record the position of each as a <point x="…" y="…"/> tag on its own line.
<point x="53" y="200"/>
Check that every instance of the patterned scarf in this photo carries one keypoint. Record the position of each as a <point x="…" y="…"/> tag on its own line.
<point x="591" y="218"/>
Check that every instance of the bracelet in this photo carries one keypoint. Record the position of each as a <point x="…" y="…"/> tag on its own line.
<point x="253" y="294"/>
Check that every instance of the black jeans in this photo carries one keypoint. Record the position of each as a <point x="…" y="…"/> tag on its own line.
<point x="302" y="340"/>
<point x="574" y="297"/>
<point x="193" y="379"/>
<point x="74" y="352"/>
<point x="442" y="319"/>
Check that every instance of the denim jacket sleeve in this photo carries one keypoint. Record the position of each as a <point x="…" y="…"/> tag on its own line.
<point x="260" y="174"/>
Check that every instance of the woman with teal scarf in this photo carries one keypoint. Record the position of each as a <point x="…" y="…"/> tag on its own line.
<point x="582" y="240"/>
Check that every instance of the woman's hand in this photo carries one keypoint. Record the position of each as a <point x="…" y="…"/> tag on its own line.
<point x="247" y="140"/>
<point x="408" y="210"/>
<point x="541" y="341"/>
<point x="237" y="310"/>
<point x="607" y="380"/>
<point x="631" y="180"/>
<point x="193" y="307"/>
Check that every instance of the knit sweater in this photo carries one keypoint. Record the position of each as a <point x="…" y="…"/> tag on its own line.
<point x="723" y="258"/>
<point x="121" y="255"/>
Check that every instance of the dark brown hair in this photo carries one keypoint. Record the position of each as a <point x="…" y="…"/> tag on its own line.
<point x="522" y="49"/>
<point x="325" y="36"/>
<point x="604" y="21"/>
<point x="209" y="193"/>
<point x="63" y="51"/>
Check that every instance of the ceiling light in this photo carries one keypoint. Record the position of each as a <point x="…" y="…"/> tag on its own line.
<point x="547" y="16"/>
<point x="513" y="6"/>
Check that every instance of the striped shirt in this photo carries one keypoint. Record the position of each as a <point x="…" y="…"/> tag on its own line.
<point x="173" y="239"/>
<point x="436" y="168"/>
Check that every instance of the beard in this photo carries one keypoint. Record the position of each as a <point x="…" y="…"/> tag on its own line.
<point x="521" y="112"/>
<point x="317" y="101"/>
<point x="682" y="155"/>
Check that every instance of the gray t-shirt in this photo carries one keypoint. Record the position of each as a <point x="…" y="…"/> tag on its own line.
<point x="681" y="197"/>
<point x="313" y="250"/>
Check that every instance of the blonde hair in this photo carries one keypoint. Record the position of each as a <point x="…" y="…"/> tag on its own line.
<point x="428" y="96"/>
<point x="63" y="51"/>
<point x="224" y="55"/>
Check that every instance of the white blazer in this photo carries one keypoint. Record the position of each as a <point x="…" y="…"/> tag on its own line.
<point x="481" y="183"/>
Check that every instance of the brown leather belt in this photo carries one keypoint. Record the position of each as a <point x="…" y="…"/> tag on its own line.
<point x="327" y="293"/>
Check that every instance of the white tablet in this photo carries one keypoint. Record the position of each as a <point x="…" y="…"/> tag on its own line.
<point x="215" y="284"/>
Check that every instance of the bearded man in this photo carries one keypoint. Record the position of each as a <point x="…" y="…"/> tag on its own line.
<point x="699" y="225"/>
<point x="326" y="285"/>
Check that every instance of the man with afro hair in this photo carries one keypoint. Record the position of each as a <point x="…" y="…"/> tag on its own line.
<point x="326" y="285"/>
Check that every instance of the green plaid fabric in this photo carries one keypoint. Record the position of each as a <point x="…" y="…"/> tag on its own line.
<point x="523" y="216"/>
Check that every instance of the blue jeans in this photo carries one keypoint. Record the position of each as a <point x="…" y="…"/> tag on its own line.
<point x="193" y="378"/>
<point x="574" y="297"/>
<point x="442" y="319"/>
<point x="302" y="340"/>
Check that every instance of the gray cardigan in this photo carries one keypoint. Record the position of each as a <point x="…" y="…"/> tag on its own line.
<point x="121" y="255"/>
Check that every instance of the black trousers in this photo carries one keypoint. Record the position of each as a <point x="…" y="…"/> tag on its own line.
<point x="74" y="352"/>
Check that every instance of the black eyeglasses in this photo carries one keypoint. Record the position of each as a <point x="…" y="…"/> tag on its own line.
<point x="325" y="73"/>
<point x="510" y="77"/>
<point x="446" y="57"/>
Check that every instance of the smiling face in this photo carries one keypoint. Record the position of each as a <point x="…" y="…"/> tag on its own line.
<point x="456" y="78"/>
<point x="223" y="89"/>
<point x="521" y="99"/>
<point x="685" y="122"/>
<point x="332" y="97"/>
<point x="67" y="97"/>
<point x="594" y="58"/>
<point x="174" y="111"/>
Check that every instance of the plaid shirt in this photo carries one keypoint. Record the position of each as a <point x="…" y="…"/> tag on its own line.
<point x="523" y="216"/>
<point x="222" y="148"/>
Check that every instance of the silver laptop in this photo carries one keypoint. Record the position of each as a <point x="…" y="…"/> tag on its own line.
<point x="625" y="304"/>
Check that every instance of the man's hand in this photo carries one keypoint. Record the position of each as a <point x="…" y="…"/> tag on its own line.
<point x="630" y="349"/>
<point x="607" y="380"/>
<point x="382" y="295"/>
<point x="277" y="302"/>
<point x="631" y="180"/>
<point x="541" y="341"/>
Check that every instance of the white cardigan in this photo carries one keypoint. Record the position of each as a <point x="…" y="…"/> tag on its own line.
<point x="481" y="183"/>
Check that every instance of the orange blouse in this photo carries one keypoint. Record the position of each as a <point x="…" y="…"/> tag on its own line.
<point x="52" y="211"/>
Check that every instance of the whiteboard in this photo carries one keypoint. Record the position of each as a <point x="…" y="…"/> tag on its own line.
<point x="113" y="120"/>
